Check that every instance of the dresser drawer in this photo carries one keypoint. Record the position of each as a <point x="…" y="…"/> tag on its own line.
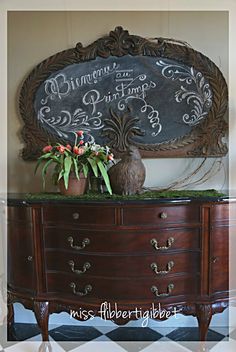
<point x="113" y="289"/>
<point x="219" y="272"/>
<point x="223" y="213"/>
<point x="83" y="241"/>
<point x="89" y="215"/>
<point x="160" y="215"/>
<point x="117" y="266"/>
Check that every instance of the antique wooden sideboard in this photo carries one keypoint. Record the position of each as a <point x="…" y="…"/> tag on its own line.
<point x="68" y="255"/>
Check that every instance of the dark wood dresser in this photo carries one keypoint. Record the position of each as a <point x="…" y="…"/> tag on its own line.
<point x="170" y="255"/>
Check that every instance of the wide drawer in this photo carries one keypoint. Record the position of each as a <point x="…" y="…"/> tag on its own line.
<point x="69" y="286"/>
<point x="83" y="241"/>
<point x="160" y="265"/>
<point x="160" y="215"/>
<point x="89" y="215"/>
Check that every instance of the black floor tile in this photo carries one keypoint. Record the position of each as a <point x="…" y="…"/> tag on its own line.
<point x="23" y="331"/>
<point x="133" y="334"/>
<point x="70" y="336"/>
<point x="192" y="334"/>
<point x="18" y="332"/>
<point x="74" y="333"/>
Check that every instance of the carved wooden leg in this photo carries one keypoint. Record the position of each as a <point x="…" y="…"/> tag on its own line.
<point x="10" y="320"/>
<point x="10" y="314"/>
<point x="41" y="311"/>
<point x="204" y="314"/>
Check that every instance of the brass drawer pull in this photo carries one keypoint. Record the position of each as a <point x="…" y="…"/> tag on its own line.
<point x="85" y="242"/>
<point x="170" y="287"/>
<point x="75" y="216"/>
<point x="86" y="266"/>
<point x="87" y="289"/>
<point x="169" y="266"/>
<point x="164" y="215"/>
<point x="154" y="243"/>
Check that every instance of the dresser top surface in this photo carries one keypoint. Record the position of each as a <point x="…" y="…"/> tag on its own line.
<point x="173" y="197"/>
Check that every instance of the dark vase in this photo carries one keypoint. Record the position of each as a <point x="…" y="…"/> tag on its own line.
<point x="96" y="184"/>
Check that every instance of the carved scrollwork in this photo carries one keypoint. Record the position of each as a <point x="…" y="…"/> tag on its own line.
<point x="208" y="102"/>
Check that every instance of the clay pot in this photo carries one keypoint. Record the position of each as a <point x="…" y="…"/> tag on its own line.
<point x="75" y="187"/>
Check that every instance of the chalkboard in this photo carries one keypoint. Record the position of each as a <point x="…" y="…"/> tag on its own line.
<point x="163" y="100"/>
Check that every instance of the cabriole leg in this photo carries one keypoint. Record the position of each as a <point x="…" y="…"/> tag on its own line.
<point x="41" y="311"/>
<point x="10" y="322"/>
<point x="204" y="315"/>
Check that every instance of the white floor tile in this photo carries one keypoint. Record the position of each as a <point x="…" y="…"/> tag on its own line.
<point x="32" y="346"/>
<point x="221" y="330"/>
<point x="105" y="329"/>
<point x="225" y="346"/>
<point x="163" y="331"/>
<point x="102" y="338"/>
<point x="99" y="347"/>
<point x="165" y="346"/>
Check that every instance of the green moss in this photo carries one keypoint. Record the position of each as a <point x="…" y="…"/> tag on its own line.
<point x="145" y="195"/>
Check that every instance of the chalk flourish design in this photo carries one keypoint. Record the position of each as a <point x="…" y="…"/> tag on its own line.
<point x="67" y="123"/>
<point x="200" y="99"/>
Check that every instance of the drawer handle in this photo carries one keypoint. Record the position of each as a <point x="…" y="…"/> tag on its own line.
<point x="84" y="243"/>
<point x="87" y="289"/>
<point x="164" y="215"/>
<point x="154" y="243"/>
<point x="30" y="258"/>
<point x="170" y="287"/>
<point x="169" y="266"/>
<point x="75" y="216"/>
<point x="86" y="266"/>
<point x="214" y="259"/>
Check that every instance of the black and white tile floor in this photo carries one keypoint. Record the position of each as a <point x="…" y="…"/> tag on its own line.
<point x="117" y="339"/>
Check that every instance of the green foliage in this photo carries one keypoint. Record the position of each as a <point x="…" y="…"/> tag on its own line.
<point x="85" y="158"/>
<point x="155" y="195"/>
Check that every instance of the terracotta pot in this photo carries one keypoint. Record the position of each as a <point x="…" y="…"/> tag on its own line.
<point x="75" y="187"/>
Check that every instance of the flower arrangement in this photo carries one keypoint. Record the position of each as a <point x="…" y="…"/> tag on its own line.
<point x="82" y="158"/>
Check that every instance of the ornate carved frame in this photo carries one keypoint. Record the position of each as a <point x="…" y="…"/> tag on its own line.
<point x="205" y="140"/>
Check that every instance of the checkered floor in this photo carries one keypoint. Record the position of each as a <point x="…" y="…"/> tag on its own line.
<point x="26" y="338"/>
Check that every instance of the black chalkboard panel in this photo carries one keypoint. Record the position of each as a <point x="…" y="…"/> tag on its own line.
<point x="164" y="97"/>
<point x="168" y="98"/>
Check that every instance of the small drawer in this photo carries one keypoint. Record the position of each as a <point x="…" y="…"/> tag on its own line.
<point x="161" y="215"/>
<point x="88" y="215"/>
<point x="112" y="289"/>
<point x="154" y="266"/>
<point x="94" y="241"/>
<point x="219" y="260"/>
<point x="223" y="213"/>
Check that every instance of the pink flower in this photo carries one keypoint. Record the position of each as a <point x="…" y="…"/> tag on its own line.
<point x="61" y="148"/>
<point x="76" y="150"/>
<point x="80" y="133"/>
<point x="110" y="157"/>
<point x="81" y="150"/>
<point x="47" y="149"/>
<point x="68" y="147"/>
<point x="81" y="142"/>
